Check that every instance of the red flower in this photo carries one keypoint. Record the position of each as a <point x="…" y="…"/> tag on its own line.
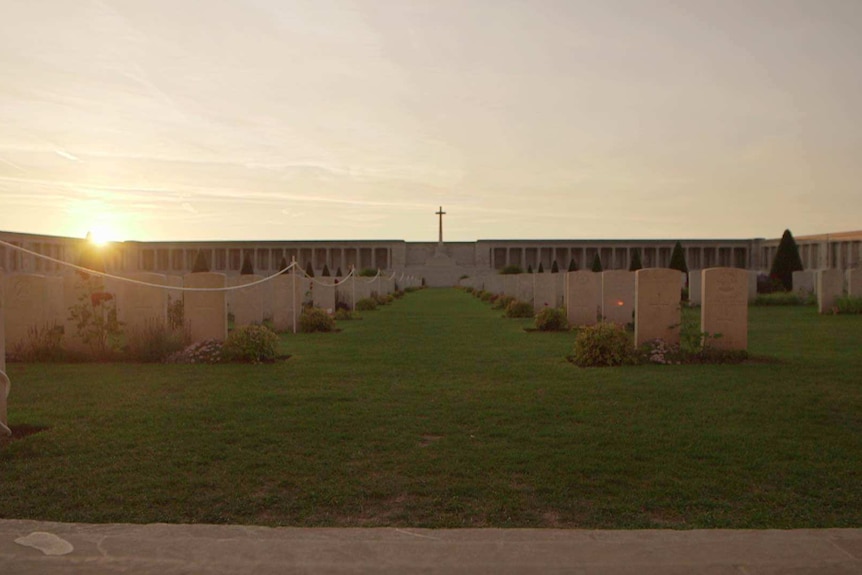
<point x="100" y="296"/>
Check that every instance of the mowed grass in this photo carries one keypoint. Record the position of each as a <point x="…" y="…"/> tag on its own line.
<point x="436" y="412"/>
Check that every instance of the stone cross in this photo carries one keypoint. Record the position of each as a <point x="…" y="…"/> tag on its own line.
<point x="440" y="213"/>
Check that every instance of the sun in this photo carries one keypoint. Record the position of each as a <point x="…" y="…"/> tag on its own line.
<point x="99" y="236"/>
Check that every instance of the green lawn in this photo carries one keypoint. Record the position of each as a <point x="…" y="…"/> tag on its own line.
<point x="436" y="412"/>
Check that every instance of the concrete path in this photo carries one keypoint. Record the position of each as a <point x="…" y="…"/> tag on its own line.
<point x="36" y="547"/>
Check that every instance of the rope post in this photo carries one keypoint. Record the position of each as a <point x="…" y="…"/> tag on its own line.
<point x="353" y="286"/>
<point x="293" y="294"/>
<point x="5" y="385"/>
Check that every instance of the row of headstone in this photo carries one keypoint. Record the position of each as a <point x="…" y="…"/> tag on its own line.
<point x="39" y="302"/>
<point x="651" y="298"/>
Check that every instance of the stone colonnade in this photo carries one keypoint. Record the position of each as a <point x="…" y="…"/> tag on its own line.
<point x="617" y="257"/>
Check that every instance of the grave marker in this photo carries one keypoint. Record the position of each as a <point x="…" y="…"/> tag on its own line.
<point x="26" y="298"/>
<point x="618" y="296"/>
<point x="139" y="305"/>
<point x="724" y="309"/>
<point x="583" y="297"/>
<point x="830" y="286"/>
<point x="246" y="304"/>
<point x="205" y="311"/>
<point x="657" y="305"/>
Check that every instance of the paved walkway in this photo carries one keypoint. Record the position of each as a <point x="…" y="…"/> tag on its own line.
<point x="36" y="547"/>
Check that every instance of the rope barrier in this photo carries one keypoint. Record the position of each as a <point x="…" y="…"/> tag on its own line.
<point x="142" y="283"/>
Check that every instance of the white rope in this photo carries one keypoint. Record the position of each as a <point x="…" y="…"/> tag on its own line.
<point x="323" y="283"/>
<point x="5" y="387"/>
<point x="142" y="283"/>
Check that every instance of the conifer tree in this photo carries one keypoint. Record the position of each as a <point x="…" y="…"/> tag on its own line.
<point x="530" y="269"/>
<point x="677" y="259"/>
<point x="573" y="266"/>
<point x="325" y="272"/>
<point x="338" y="272"/>
<point x="555" y="269"/>
<point x="309" y="270"/>
<point x="636" y="264"/>
<point x="247" y="267"/>
<point x="200" y="265"/>
<point x="283" y="265"/>
<point x="786" y="261"/>
<point x="541" y="269"/>
<point x="597" y="263"/>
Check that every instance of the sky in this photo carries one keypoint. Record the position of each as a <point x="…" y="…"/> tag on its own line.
<point x="351" y="119"/>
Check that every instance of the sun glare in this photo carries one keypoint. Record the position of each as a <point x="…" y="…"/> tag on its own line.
<point x="99" y="236"/>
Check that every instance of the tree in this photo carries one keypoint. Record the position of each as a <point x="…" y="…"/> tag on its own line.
<point x="283" y="265"/>
<point x="786" y="261"/>
<point x="555" y="269"/>
<point x="247" y="268"/>
<point x="338" y="272"/>
<point x="573" y="266"/>
<point x="677" y="259"/>
<point x="325" y="272"/>
<point x="309" y="270"/>
<point x="541" y="269"/>
<point x="636" y="264"/>
<point x="597" y="263"/>
<point x="201" y="265"/>
<point x="530" y="269"/>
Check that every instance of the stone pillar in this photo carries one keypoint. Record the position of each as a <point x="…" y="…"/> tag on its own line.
<point x="724" y="311"/>
<point x="205" y="311"/>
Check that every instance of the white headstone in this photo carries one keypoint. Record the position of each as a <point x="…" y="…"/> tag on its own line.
<point x="618" y="296"/>
<point x="246" y="304"/>
<point x="26" y="298"/>
<point x="724" y="310"/>
<point x="205" y="311"/>
<point x="544" y="291"/>
<point x="323" y="294"/>
<point x="830" y="286"/>
<point x="583" y="297"/>
<point x="525" y="288"/>
<point x="138" y="305"/>
<point x="854" y="282"/>
<point x="804" y="282"/>
<point x="657" y="305"/>
<point x="695" y="292"/>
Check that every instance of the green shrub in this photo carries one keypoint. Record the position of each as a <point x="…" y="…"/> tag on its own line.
<point x="517" y="309"/>
<point x="250" y="344"/>
<point x="367" y="273"/>
<point x="366" y="304"/>
<point x="786" y="261"/>
<point x="783" y="298"/>
<point x="849" y="304"/>
<point x="511" y="270"/>
<point x="502" y="302"/>
<point x="42" y="343"/>
<point x="315" y="319"/>
<point x="154" y="342"/>
<point x="603" y="345"/>
<point x="344" y="315"/>
<point x="469" y="289"/>
<point x="485" y="296"/>
<point x="552" y="319"/>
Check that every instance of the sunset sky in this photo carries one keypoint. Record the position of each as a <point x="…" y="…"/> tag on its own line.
<point x="315" y="119"/>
